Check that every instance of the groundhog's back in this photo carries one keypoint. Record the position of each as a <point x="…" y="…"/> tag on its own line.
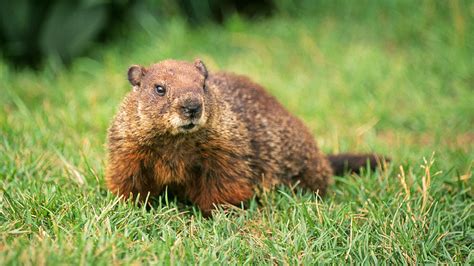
<point x="282" y="145"/>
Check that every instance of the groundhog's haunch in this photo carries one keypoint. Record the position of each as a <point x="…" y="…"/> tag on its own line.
<point x="211" y="139"/>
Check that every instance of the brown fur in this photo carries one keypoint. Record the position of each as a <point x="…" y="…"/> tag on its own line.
<point x="236" y="138"/>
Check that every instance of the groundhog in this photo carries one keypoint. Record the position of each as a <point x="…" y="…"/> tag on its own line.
<point x="211" y="139"/>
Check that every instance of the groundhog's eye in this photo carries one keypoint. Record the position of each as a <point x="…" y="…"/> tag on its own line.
<point x="160" y="90"/>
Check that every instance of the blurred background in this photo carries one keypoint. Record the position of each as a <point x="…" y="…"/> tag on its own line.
<point x="32" y="32"/>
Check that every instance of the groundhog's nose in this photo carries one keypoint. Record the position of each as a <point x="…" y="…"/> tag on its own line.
<point x="191" y="108"/>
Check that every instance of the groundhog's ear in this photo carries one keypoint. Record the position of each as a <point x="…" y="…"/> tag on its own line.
<point x="135" y="75"/>
<point x="201" y="67"/>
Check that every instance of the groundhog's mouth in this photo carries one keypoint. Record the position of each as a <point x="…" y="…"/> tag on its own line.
<point x="188" y="126"/>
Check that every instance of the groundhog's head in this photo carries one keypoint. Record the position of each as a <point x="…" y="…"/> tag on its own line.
<point x="172" y="96"/>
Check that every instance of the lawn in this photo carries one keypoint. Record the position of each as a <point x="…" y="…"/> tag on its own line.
<point x="395" y="79"/>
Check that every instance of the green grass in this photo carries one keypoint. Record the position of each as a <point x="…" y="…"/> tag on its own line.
<point x="397" y="80"/>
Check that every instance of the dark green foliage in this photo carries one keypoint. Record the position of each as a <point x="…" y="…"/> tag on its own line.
<point x="33" y="31"/>
<point x="60" y="30"/>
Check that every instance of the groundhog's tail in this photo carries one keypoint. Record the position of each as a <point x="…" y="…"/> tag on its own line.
<point x="347" y="162"/>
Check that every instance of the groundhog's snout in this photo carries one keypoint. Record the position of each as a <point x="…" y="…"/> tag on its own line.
<point x="191" y="108"/>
